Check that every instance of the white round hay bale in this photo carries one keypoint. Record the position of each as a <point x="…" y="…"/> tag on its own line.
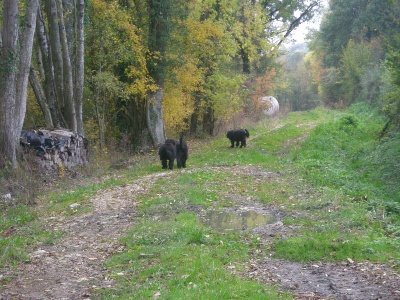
<point x="269" y="105"/>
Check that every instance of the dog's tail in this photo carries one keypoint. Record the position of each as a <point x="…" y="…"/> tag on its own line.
<point x="182" y="136"/>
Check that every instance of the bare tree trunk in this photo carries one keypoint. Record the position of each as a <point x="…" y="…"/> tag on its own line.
<point x="24" y="65"/>
<point x="159" y="25"/>
<point x="79" y="64"/>
<point x="208" y="120"/>
<point x="99" y="117"/>
<point x="48" y="73"/>
<point x="101" y="125"/>
<point x="39" y="57"/>
<point x="68" y="80"/>
<point x="69" y="20"/>
<point x="13" y="89"/>
<point x="40" y="96"/>
<point x="154" y="116"/>
<point x="55" y="52"/>
<point x="8" y="62"/>
<point x="63" y="61"/>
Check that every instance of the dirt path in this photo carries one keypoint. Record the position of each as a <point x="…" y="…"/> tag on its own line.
<point x="73" y="268"/>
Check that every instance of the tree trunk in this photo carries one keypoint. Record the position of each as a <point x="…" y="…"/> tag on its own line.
<point x="208" y="120"/>
<point x="245" y="60"/>
<point x="56" y="53"/>
<point x="40" y="96"/>
<point x="8" y="62"/>
<point x="48" y="75"/>
<point x="24" y="65"/>
<point x="69" y="13"/>
<point x="68" y="88"/>
<point x="13" y="89"/>
<point x="100" y="125"/>
<point x="154" y="117"/>
<point x="194" y="119"/>
<point x="63" y="60"/>
<point x="79" y="64"/>
<point x="99" y="113"/>
<point x="159" y="26"/>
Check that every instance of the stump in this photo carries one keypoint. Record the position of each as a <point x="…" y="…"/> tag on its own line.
<point x="55" y="147"/>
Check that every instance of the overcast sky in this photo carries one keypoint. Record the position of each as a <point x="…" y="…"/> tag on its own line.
<point x="298" y="35"/>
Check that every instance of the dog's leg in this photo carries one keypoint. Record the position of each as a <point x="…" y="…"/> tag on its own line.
<point x="178" y="162"/>
<point x="243" y="143"/>
<point x="171" y="164"/>
<point x="164" y="164"/>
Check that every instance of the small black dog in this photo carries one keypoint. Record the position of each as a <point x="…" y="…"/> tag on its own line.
<point x="237" y="136"/>
<point x="182" y="153"/>
<point x="167" y="152"/>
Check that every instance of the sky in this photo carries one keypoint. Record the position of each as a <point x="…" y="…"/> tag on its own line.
<point x="299" y="34"/>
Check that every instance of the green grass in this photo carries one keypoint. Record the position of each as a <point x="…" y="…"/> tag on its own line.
<point x="21" y="231"/>
<point x="60" y="201"/>
<point x="343" y="159"/>
<point x="180" y="259"/>
<point x="347" y="155"/>
<point x="334" y="245"/>
<point x="16" y="216"/>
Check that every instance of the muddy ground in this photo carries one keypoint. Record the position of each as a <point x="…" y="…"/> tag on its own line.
<point x="73" y="267"/>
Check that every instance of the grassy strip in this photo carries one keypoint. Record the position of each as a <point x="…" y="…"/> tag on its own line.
<point x="20" y="230"/>
<point x="180" y="259"/>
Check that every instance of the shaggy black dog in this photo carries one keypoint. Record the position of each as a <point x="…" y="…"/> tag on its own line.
<point x="182" y="153"/>
<point x="237" y="136"/>
<point x="167" y="152"/>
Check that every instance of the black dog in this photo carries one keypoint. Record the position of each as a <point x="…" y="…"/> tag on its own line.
<point x="237" y="136"/>
<point x="182" y="153"/>
<point x="167" y="152"/>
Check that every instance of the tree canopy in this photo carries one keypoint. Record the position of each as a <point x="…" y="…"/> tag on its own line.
<point x="357" y="48"/>
<point x="145" y="70"/>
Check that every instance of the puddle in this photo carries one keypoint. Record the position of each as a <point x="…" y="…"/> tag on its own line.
<point x="236" y="220"/>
